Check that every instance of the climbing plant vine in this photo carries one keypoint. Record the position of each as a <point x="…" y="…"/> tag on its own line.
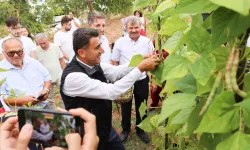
<point x="206" y="101"/>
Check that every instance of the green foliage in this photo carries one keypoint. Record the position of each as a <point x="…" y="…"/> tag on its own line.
<point x="176" y="102"/>
<point x="187" y="84"/>
<point x="221" y="116"/>
<point x="195" y="6"/>
<point x="193" y="75"/>
<point x="172" y="25"/>
<point x="240" y="6"/>
<point x="203" y="68"/>
<point x="175" y="66"/>
<point x="238" y="140"/>
<point x="113" y="6"/>
<point x="136" y="59"/>
<point x="6" y="10"/>
<point x="174" y="42"/>
<point x="226" y="25"/>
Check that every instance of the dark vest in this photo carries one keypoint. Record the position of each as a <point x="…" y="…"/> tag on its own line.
<point x="101" y="108"/>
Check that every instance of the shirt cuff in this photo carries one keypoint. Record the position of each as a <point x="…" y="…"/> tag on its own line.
<point x="135" y="74"/>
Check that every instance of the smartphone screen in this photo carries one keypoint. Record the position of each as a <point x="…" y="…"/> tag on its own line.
<point x="50" y="127"/>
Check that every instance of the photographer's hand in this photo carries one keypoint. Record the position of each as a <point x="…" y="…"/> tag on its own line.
<point x="90" y="139"/>
<point x="11" y="139"/>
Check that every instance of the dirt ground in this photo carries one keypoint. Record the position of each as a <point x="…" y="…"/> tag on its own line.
<point x="113" y="29"/>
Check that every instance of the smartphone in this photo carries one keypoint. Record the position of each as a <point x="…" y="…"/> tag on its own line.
<point x="50" y="127"/>
<point x="40" y="97"/>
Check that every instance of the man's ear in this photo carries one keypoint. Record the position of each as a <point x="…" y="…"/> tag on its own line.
<point x="81" y="53"/>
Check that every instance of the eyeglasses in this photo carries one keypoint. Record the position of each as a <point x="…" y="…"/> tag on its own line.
<point x="12" y="53"/>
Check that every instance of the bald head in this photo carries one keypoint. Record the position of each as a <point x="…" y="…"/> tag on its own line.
<point x="13" y="51"/>
<point x="10" y="41"/>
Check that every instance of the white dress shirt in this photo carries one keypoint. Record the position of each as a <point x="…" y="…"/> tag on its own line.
<point x="28" y="44"/>
<point x="29" y="80"/>
<point x="41" y="137"/>
<point x="125" y="48"/>
<point x="106" y="56"/>
<point x="45" y="128"/>
<point x="79" y="84"/>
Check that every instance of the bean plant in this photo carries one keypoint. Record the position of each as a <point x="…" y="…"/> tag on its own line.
<point x="206" y="90"/>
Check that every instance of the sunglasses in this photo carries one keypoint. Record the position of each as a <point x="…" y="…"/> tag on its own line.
<point x="12" y="53"/>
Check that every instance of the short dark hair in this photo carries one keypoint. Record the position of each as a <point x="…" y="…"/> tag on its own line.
<point x="82" y="36"/>
<point x="95" y="15"/>
<point x="11" y="21"/>
<point x="65" y="19"/>
<point x="138" y="12"/>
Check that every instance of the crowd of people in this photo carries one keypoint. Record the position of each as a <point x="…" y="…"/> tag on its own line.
<point x="88" y="73"/>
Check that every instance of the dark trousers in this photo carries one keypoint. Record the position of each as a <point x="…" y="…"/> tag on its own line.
<point x="141" y="91"/>
<point x="114" y="142"/>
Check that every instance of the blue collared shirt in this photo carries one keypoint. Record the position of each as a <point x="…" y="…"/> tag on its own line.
<point x="29" y="80"/>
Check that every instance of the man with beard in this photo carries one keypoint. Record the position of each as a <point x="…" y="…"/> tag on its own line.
<point x="125" y="48"/>
<point x="14" y="29"/>
<point x="97" y="20"/>
<point x="63" y="39"/>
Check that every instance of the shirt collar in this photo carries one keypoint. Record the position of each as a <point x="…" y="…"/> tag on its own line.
<point x="8" y="66"/>
<point x="89" y="69"/>
<point x="133" y="40"/>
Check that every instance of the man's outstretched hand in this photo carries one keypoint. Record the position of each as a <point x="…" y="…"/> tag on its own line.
<point x="149" y="63"/>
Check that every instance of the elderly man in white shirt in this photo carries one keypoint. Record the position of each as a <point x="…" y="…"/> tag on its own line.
<point x="97" y="20"/>
<point x="51" y="57"/>
<point x="14" y="29"/>
<point x="124" y="49"/>
<point x="25" y="76"/>
<point x="84" y="83"/>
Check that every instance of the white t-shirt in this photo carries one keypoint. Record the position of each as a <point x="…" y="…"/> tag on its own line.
<point x="73" y="26"/>
<point x="106" y="56"/>
<point x="125" y="48"/>
<point x="50" y="60"/>
<point x="65" y="41"/>
<point x="28" y="44"/>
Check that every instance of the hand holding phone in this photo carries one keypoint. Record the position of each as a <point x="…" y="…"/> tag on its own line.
<point x="40" y="97"/>
<point x="90" y="140"/>
<point x="50" y="127"/>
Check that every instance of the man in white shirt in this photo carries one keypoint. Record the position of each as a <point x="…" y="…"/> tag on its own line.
<point x="63" y="39"/>
<point x="124" y="49"/>
<point x="14" y="29"/>
<point x="45" y="128"/>
<point x="97" y="20"/>
<point x="75" y="23"/>
<point x="50" y="55"/>
<point x="84" y="83"/>
<point x="24" y="76"/>
<point x="37" y="134"/>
